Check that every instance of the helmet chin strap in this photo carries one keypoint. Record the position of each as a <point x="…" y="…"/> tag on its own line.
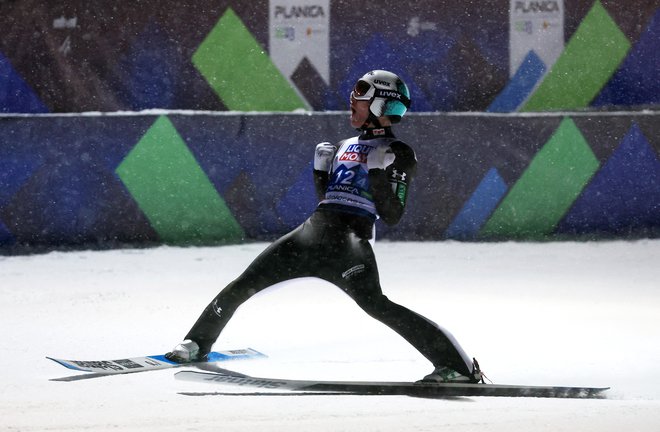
<point x="371" y="120"/>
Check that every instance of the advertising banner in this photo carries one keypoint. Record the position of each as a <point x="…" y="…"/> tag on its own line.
<point x="298" y="30"/>
<point x="278" y="55"/>
<point x="112" y="180"/>
<point x="536" y="26"/>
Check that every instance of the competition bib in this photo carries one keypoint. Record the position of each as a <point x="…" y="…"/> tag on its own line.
<point x="349" y="179"/>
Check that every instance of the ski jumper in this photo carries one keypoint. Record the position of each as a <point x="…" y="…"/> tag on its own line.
<point x="333" y="244"/>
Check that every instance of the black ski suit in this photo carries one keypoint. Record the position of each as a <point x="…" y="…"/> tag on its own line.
<point x="333" y="244"/>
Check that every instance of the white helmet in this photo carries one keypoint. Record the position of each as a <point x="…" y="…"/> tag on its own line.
<point x="388" y="94"/>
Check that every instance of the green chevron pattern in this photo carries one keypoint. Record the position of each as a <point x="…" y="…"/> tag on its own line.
<point x="240" y="72"/>
<point x="173" y="191"/>
<point x="547" y="189"/>
<point x="584" y="67"/>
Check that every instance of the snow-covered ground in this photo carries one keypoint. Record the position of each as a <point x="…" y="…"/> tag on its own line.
<point x="551" y="313"/>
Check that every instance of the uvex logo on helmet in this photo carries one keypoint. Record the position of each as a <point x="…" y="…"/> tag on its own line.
<point x="390" y="94"/>
<point x="381" y="82"/>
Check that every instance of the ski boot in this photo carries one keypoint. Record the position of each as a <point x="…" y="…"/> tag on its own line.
<point x="443" y="374"/>
<point x="186" y="352"/>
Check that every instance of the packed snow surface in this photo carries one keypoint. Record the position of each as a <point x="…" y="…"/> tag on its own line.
<point x="584" y="314"/>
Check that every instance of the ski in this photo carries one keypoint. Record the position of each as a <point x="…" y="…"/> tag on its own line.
<point x="428" y="390"/>
<point x="100" y="368"/>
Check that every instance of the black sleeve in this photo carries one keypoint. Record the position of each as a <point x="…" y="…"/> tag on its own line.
<point x="389" y="187"/>
<point x="321" y="179"/>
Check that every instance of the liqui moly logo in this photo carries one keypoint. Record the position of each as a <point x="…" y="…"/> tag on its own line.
<point x="356" y="153"/>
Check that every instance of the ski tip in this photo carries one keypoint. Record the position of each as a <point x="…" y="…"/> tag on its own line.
<point x="258" y="353"/>
<point x="65" y="363"/>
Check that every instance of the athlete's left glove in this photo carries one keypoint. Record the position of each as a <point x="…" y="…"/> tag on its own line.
<point x="380" y="157"/>
<point x="323" y="156"/>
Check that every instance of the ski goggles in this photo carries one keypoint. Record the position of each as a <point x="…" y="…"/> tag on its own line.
<point x="364" y="90"/>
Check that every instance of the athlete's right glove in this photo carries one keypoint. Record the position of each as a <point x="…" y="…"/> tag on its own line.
<point x="323" y="156"/>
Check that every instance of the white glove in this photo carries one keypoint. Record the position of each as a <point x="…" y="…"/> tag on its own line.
<point x="380" y="157"/>
<point x="323" y="156"/>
